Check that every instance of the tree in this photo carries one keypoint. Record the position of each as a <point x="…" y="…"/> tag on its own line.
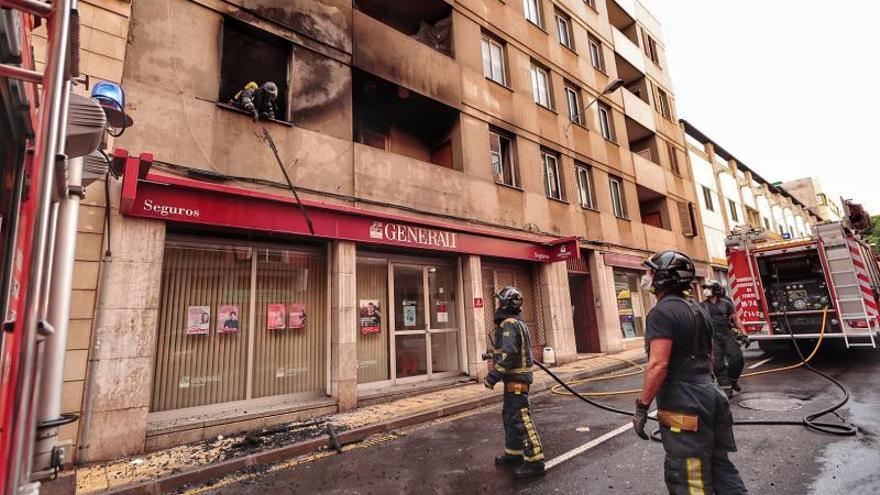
<point x="872" y="233"/>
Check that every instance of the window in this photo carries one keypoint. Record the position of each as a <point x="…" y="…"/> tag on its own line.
<point x="591" y="4"/>
<point x="767" y="223"/>
<point x="501" y="153"/>
<point x="552" y="179"/>
<point x="734" y="214"/>
<point x="687" y="214"/>
<point x="605" y="122"/>
<point x="673" y="159"/>
<point x="573" y="101"/>
<point x="618" y="201"/>
<point x="532" y="10"/>
<point x="663" y="104"/>
<point x="564" y="30"/>
<point x="249" y="54"/>
<point x="541" y="86"/>
<point x="650" y="47"/>
<point x="494" y="63"/>
<point x="707" y="199"/>
<point x="586" y="192"/>
<point x="596" y="56"/>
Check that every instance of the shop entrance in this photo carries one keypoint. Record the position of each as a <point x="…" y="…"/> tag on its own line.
<point x="496" y="276"/>
<point x="415" y="336"/>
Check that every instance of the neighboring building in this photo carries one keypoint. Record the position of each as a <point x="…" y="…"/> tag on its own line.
<point x="442" y="151"/>
<point x="809" y="191"/>
<point x="733" y="196"/>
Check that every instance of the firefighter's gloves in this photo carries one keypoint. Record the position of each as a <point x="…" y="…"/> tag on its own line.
<point x="742" y="339"/>
<point x="640" y="418"/>
<point x="255" y="114"/>
<point x="490" y="381"/>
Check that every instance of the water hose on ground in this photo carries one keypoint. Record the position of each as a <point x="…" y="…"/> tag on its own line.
<point x="810" y="421"/>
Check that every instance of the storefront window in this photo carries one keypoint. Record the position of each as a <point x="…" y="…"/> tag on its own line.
<point x="373" y="336"/>
<point x="632" y="303"/>
<point x="238" y="322"/>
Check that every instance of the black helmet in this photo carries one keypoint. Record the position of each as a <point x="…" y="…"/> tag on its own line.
<point x="270" y="89"/>
<point x="510" y="298"/>
<point x="672" y="270"/>
<point x="716" y="287"/>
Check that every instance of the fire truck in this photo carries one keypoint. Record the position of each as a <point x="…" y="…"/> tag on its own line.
<point x="799" y="287"/>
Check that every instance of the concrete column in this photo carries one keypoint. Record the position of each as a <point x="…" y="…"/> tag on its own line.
<point x="343" y="325"/>
<point x="607" y="319"/>
<point x="124" y="343"/>
<point x="474" y="319"/>
<point x="558" y="318"/>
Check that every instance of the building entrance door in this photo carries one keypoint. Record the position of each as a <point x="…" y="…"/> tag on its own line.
<point x="586" y="332"/>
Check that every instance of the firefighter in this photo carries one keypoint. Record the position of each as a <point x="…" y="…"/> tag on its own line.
<point x="696" y="424"/>
<point x="511" y="351"/>
<point x="259" y="101"/>
<point x="727" y="330"/>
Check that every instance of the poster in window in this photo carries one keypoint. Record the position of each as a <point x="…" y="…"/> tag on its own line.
<point x="442" y="312"/>
<point x="409" y="314"/>
<point x="198" y="320"/>
<point x="629" y="329"/>
<point x="227" y="319"/>
<point x="275" y="316"/>
<point x="296" y="317"/>
<point x="371" y="318"/>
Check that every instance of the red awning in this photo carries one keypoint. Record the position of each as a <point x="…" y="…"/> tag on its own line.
<point x="188" y="201"/>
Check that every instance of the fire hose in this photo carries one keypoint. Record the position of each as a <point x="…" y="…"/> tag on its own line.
<point x="809" y="421"/>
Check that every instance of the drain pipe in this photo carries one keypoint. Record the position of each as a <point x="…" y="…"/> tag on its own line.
<point x="49" y="419"/>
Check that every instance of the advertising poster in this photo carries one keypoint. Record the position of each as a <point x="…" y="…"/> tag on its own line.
<point x="198" y="320"/>
<point x="371" y="320"/>
<point x="296" y="318"/>
<point x="409" y="314"/>
<point x="275" y="316"/>
<point x="227" y="319"/>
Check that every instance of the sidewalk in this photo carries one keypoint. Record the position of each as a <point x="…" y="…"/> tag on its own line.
<point x="161" y="471"/>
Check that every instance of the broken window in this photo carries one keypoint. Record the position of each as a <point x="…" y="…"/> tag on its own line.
<point x="251" y="55"/>
<point x="428" y="21"/>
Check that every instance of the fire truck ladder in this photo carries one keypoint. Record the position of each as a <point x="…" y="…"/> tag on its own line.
<point x="847" y="291"/>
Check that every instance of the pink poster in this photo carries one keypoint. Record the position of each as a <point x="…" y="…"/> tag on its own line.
<point x="198" y="320"/>
<point x="227" y="319"/>
<point x="297" y="316"/>
<point x="275" y="314"/>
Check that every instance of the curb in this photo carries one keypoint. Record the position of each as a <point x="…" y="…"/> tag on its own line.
<point x="209" y="471"/>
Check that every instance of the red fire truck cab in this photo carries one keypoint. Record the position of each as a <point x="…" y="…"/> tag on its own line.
<point x="784" y="288"/>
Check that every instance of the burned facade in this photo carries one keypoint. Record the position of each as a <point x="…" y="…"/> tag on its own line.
<point x="442" y="150"/>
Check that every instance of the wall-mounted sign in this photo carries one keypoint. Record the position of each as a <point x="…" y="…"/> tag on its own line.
<point x="442" y="312"/>
<point x="198" y="320"/>
<point x="371" y="320"/>
<point x="275" y="316"/>
<point x="227" y="319"/>
<point x="296" y="317"/>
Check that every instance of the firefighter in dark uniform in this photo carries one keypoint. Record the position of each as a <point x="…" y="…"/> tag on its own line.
<point x="511" y="351"/>
<point x="727" y="329"/>
<point x="259" y="101"/>
<point x="696" y="424"/>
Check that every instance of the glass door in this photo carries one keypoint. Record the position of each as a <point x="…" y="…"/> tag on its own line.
<point x="425" y="322"/>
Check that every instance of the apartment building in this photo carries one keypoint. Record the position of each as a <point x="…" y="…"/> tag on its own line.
<point x="734" y="196"/>
<point x="441" y="150"/>
<point x="810" y="192"/>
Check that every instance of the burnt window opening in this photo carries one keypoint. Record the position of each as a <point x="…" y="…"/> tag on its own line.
<point x="398" y="120"/>
<point x="427" y="21"/>
<point x="654" y="208"/>
<point x="251" y="55"/>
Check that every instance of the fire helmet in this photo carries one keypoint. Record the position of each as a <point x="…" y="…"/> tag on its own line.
<point x="510" y="298"/>
<point x="716" y="288"/>
<point x="270" y="89"/>
<point x="672" y="270"/>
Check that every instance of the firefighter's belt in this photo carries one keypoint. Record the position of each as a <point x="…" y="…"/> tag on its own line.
<point x="516" y="387"/>
<point x="678" y="421"/>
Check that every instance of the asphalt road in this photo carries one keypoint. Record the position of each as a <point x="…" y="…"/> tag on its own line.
<point x="455" y="456"/>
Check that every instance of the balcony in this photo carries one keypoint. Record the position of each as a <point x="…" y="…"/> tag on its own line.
<point x="628" y="50"/>
<point x="659" y="239"/>
<point x="649" y="175"/>
<point x="638" y="110"/>
<point x="401" y="59"/>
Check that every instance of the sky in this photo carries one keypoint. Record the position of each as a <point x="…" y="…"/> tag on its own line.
<point x="790" y="87"/>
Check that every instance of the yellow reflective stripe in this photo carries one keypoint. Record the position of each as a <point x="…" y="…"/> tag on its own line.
<point x="513" y="452"/>
<point x="536" y="457"/>
<point x="500" y="368"/>
<point x="695" y="476"/>
<point x="530" y="431"/>
<point x="521" y="370"/>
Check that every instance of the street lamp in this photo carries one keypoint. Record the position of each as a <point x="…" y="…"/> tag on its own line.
<point x="612" y="87"/>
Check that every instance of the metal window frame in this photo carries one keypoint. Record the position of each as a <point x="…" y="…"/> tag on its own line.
<point x="544" y="156"/>
<point x="596" y="57"/>
<point x="618" y="204"/>
<point x="605" y="125"/>
<point x="574" y="107"/>
<point x="585" y="178"/>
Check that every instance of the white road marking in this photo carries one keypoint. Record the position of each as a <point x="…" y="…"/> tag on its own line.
<point x="762" y="362"/>
<point x="589" y="445"/>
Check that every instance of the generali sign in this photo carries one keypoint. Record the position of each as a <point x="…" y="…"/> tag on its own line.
<point x="410" y="234"/>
